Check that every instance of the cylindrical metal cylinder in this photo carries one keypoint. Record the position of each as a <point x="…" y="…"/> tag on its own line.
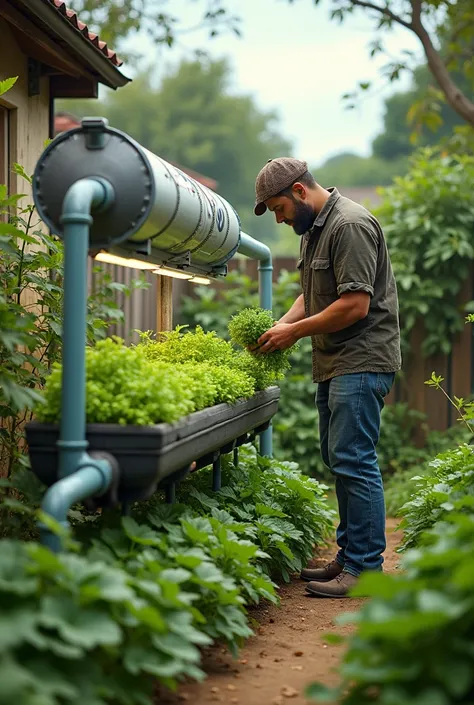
<point x="156" y="205"/>
<point x="188" y="217"/>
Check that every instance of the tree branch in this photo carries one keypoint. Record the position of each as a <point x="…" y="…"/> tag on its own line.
<point x="454" y="96"/>
<point x="381" y="10"/>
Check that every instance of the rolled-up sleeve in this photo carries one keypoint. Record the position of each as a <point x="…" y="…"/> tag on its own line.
<point x="354" y="255"/>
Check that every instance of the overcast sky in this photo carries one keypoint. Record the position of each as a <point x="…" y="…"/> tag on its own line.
<point x="294" y="59"/>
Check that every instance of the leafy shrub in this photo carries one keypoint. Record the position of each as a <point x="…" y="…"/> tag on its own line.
<point x="451" y="478"/>
<point x="413" y="640"/>
<point x="246" y="327"/>
<point x="418" y="209"/>
<point x="210" y="362"/>
<point x="216" y="571"/>
<point x="414" y="462"/>
<point x="228" y="384"/>
<point x="79" y="630"/>
<point x="147" y="384"/>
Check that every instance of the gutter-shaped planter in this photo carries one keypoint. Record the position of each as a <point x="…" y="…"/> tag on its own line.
<point x="152" y="455"/>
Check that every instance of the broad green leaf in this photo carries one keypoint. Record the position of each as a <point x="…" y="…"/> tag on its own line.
<point x="7" y="84"/>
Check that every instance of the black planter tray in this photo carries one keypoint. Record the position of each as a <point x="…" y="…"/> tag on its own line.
<point x="149" y="454"/>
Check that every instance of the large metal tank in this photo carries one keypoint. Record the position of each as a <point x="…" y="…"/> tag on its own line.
<point x="157" y="206"/>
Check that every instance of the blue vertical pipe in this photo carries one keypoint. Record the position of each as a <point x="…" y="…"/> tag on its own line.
<point x="80" y="475"/>
<point x="83" y="197"/>
<point x="257" y="250"/>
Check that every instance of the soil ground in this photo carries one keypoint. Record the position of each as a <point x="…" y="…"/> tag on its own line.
<point x="287" y="652"/>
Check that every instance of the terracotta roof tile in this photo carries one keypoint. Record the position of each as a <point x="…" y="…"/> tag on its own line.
<point x="73" y="19"/>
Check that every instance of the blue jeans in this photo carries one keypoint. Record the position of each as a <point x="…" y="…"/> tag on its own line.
<point x="349" y="409"/>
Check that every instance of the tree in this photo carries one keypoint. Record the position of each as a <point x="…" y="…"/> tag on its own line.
<point x="397" y="139"/>
<point x="193" y="120"/>
<point x="445" y="29"/>
<point x="116" y="20"/>
<point x="436" y="23"/>
<point x="347" y="169"/>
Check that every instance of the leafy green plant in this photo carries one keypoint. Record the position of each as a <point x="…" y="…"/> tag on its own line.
<point x="182" y="346"/>
<point x="77" y="629"/>
<point x="399" y="486"/>
<point x="283" y="512"/>
<point x="464" y="407"/>
<point x="413" y="639"/>
<point x="434" y="494"/>
<point x="209" y="361"/>
<point x="122" y="386"/>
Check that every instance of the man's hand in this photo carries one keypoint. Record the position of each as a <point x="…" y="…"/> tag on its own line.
<point x="280" y="337"/>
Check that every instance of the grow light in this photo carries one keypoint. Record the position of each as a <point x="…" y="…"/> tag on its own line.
<point x="109" y="258"/>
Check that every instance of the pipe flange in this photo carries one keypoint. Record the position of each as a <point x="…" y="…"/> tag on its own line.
<point x="109" y="498"/>
<point x="110" y="155"/>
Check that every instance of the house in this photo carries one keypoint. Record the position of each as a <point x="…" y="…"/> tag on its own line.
<point x="365" y="195"/>
<point x="54" y="55"/>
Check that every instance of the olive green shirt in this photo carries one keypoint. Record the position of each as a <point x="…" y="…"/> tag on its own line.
<point x="345" y="251"/>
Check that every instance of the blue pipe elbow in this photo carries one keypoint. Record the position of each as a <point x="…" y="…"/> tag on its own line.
<point x="93" y="478"/>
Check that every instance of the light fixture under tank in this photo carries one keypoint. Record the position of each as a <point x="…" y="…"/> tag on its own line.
<point x="110" y="258"/>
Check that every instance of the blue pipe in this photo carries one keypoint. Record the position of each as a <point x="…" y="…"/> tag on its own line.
<point x="83" y="197"/>
<point x="257" y="250"/>
<point x="94" y="477"/>
<point x="80" y="475"/>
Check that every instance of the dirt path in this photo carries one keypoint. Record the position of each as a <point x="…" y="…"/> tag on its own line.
<point x="287" y="652"/>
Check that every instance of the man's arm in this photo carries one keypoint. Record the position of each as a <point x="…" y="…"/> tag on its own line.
<point x="296" y="312"/>
<point x="344" y="312"/>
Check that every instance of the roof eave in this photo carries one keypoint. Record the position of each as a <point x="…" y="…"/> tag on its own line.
<point x="47" y="13"/>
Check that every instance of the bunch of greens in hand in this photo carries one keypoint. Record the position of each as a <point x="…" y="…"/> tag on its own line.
<point x="245" y="330"/>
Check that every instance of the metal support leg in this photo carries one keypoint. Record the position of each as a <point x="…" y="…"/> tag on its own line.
<point x="170" y="493"/>
<point x="236" y="457"/>
<point x="216" y="474"/>
<point x="265" y="442"/>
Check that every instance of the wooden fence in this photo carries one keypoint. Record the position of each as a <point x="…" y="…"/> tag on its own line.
<point x="457" y="368"/>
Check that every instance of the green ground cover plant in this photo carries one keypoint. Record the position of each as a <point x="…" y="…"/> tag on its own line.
<point x="413" y="639"/>
<point x="133" y="599"/>
<point x="435" y="494"/>
<point x="415" y="462"/>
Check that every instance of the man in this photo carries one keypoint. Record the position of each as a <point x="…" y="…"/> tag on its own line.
<point x="349" y="307"/>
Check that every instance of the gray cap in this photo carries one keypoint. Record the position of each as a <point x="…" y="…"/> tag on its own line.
<point x="276" y="175"/>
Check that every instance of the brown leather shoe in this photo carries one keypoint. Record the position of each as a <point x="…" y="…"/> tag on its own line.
<point x="322" y="575"/>
<point x="339" y="587"/>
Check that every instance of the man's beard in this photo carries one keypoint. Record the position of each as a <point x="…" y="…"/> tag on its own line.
<point x="303" y="218"/>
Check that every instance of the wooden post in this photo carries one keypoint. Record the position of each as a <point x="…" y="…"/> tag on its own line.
<point x="164" y="304"/>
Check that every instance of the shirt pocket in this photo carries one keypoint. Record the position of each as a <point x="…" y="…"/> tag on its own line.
<point x="324" y="281"/>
